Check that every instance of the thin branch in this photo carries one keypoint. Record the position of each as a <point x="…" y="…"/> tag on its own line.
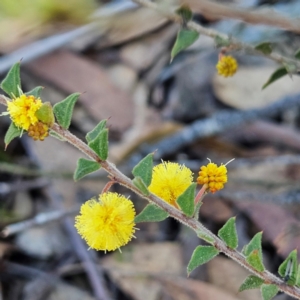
<point x="216" y="124"/>
<point x="235" y="44"/>
<point x="29" y="172"/>
<point x="194" y="224"/>
<point x="39" y="219"/>
<point x="3" y="100"/>
<point x="178" y="215"/>
<point x="258" y="16"/>
<point x="6" y="188"/>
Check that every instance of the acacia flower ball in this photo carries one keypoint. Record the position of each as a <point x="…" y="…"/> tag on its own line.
<point x="170" y="180"/>
<point x="213" y="176"/>
<point x="108" y="223"/>
<point x="227" y="66"/>
<point x="22" y="110"/>
<point x="39" y="131"/>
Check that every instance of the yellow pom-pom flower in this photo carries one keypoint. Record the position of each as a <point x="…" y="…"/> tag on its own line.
<point x="213" y="177"/>
<point x="106" y="224"/>
<point x="227" y="66"/>
<point x="170" y="180"/>
<point x="22" y="110"/>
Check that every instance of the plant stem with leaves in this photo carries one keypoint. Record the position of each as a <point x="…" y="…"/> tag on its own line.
<point x="172" y="211"/>
<point x="233" y="44"/>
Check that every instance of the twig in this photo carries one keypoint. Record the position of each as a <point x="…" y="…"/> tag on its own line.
<point x="3" y="100"/>
<point x="265" y="131"/>
<point x="24" y="272"/>
<point x="290" y="197"/>
<point x="6" y="188"/>
<point x="39" y="219"/>
<point x="178" y="215"/>
<point x="235" y="44"/>
<point x="258" y="16"/>
<point x="172" y="211"/>
<point x="29" y="172"/>
<point x="216" y="124"/>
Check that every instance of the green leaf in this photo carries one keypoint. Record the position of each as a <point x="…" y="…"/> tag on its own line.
<point x="36" y="92"/>
<point x="140" y="184"/>
<point x="151" y="213"/>
<point x="288" y="270"/>
<point x="254" y="259"/>
<point x="45" y="114"/>
<point x="268" y="291"/>
<point x="11" y="84"/>
<point x="94" y="133"/>
<point x="57" y="136"/>
<point x="221" y="42"/>
<point x="100" y="144"/>
<point x="185" y="12"/>
<point x="186" y="200"/>
<point x="297" y="54"/>
<point x="254" y="244"/>
<point x="228" y="233"/>
<point x="251" y="282"/>
<point x="275" y="76"/>
<point x="265" y="48"/>
<point x="85" y="167"/>
<point x="291" y="68"/>
<point x="63" y="110"/>
<point x="298" y="277"/>
<point x="202" y="235"/>
<point x="185" y="38"/>
<point x="144" y="169"/>
<point x="12" y="132"/>
<point x="200" y="256"/>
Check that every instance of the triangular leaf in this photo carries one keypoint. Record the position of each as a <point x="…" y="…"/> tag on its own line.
<point x="288" y="270"/>
<point x="265" y="48"/>
<point x="36" y="92"/>
<point x="204" y="236"/>
<point x="12" y="132"/>
<point x="251" y="282"/>
<point x="185" y="12"/>
<point x="200" y="256"/>
<point x="151" y="213"/>
<point x="291" y="68"/>
<point x="100" y="144"/>
<point x="221" y="42"/>
<point x="228" y="233"/>
<point x="94" y="133"/>
<point x="144" y="169"/>
<point x="275" y="76"/>
<point x="85" y="167"/>
<point x="254" y="259"/>
<point x="254" y="244"/>
<point x="298" y="277"/>
<point x="185" y="38"/>
<point x="11" y="84"/>
<point x="140" y="184"/>
<point x="45" y="114"/>
<point x="268" y="291"/>
<point x="63" y="110"/>
<point x="57" y="136"/>
<point x="186" y="200"/>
